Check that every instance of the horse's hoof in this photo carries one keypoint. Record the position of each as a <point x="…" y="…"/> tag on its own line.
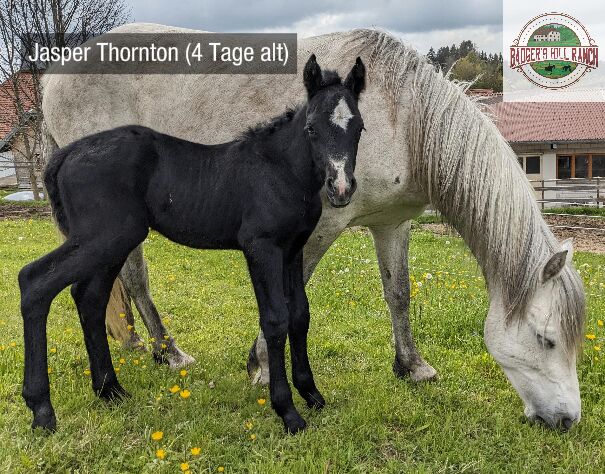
<point x="420" y="372"/>
<point x="44" y="418"/>
<point x="174" y="357"/>
<point x="113" y="393"/>
<point x="315" y="400"/>
<point x="257" y="374"/>
<point x="294" y="423"/>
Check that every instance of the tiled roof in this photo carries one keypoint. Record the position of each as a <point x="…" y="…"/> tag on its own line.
<point x="550" y="121"/>
<point x="8" y="113"/>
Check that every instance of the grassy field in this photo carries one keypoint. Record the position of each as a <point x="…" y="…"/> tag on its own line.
<point x="468" y="421"/>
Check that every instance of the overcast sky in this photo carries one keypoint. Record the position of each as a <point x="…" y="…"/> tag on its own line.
<point x="421" y="23"/>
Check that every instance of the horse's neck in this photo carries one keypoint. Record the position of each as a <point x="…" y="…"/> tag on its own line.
<point x="290" y="146"/>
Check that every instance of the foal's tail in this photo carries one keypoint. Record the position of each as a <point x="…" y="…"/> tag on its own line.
<point x="52" y="189"/>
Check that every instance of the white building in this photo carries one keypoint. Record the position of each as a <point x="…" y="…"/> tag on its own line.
<point x="547" y="34"/>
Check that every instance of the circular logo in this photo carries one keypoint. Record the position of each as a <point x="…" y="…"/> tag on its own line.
<point x="553" y="51"/>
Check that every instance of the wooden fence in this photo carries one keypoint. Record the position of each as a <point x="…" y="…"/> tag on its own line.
<point x="570" y="192"/>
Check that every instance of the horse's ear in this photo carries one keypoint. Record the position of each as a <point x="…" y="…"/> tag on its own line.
<point x="557" y="262"/>
<point x="356" y="80"/>
<point x="312" y="76"/>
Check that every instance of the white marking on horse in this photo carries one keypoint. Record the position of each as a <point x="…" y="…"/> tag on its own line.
<point x="341" y="114"/>
<point x="340" y="183"/>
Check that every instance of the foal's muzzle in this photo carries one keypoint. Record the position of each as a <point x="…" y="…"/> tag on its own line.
<point x="339" y="193"/>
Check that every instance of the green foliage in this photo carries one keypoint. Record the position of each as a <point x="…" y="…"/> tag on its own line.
<point x="468" y="421"/>
<point x="470" y="64"/>
<point x="577" y="210"/>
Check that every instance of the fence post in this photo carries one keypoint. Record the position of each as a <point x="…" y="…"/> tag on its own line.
<point x="543" y="194"/>
<point x="598" y="193"/>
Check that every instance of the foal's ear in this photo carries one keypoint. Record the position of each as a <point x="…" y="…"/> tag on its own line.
<point x="356" y="80"/>
<point x="312" y="76"/>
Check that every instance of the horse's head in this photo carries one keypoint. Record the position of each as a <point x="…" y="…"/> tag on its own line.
<point x="537" y="350"/>
<point x="334" y="126"/>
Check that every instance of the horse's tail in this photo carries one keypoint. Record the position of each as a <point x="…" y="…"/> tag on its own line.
<point x="51" y="173"/>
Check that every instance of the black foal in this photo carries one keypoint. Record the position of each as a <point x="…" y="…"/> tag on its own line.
<point x="258" y="194"/>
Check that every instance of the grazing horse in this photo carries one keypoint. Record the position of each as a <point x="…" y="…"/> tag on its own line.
<point x="550" y="68"/>
<point x="567" y="68"/>
<point x="427" y="143"/>
<point x="258" y="194"/>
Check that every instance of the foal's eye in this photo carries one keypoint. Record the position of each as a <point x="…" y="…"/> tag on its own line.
<point x="310" y="130"/>
<point x="545" y="342"/>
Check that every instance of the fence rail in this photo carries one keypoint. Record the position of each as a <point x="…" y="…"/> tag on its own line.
<point x="570" y="191"/>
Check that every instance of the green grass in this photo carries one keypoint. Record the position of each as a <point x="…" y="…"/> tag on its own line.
<point x="468" y="421"/>
<point x="577" y="210"/>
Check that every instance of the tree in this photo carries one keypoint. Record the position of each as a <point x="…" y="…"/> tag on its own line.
<point x="49" y="23"/>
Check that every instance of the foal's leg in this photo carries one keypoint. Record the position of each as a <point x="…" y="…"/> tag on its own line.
<point x="392" y="243"/>
<point x="324" y="235"/>
<point x="91" y="296"/>
<point x="40" y="282"/>
<point x="135" y="277"/>
<point x="265" y="262"/>
<point x="298" y="306"/>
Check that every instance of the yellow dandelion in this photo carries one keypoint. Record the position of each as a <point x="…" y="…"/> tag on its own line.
<point x="152" y="339"/>
<point x="184" y="466"/>
<point x="185" y="393"/>
<point x="187" y="472"/>
<point x="196" y="451"/>
<point x="2" y="347"/>
<point x="117" y="369"/>
<point x="175" y="388"/>
<point x="220" y="469"/>
<point x="135" y="362"/>
<point x="600" y="322"/>
<point x="183" y="373"/>
<point x="13" y="344"/>
<point x="248" y="425"/>
<point x="157" y="435"/>
<point x="129" y="327"/>
<point x="590" y="337"/>
<point x="122" y="315"/>
<point x="261" y="401"/>
<point x="163" y="346"/>
<point x="160" y="454"/>
<point x="50" y="370"/>
<point x="53" y="350"/>
<point x="86" y="371"/>
<point x="171" y="278"/>
<point x="597" y="348"/>
<point x="166" y="336"/>
<point x="122" y="360"/>
<point x="252" y="436"/>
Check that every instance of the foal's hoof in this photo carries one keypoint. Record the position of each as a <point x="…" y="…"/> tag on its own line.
<point x="315" y="400"/>
<point x="294" y="423"/>
<point x="44" y="418"/>
<point x="420" y="372"/>
<point x="113" y="393"/>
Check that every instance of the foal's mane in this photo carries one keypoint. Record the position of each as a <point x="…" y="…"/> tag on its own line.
<point x="269" y="127"/>
<point x="471" y="175"/>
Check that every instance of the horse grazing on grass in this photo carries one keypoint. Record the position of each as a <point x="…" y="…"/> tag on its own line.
<point x="258" y="194"/>
<point x="427" y="143"/>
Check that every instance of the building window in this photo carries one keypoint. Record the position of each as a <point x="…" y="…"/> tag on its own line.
<point x="530" y="164"/>
<point x="580" y="166"/>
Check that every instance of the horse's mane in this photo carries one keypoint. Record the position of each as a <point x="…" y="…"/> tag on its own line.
<point x="471" y="175"/>
<point x="269" y="127"/>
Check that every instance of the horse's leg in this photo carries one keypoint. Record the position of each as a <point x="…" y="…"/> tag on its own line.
<point x="265" y="262"/>
<point x="40" y="282"/>
<point x="392" y="243"/>
<point x="298" y="306"/>
<point x="135" y="277"/>
<point x="315" y="248"/>
<point x="91" y="297"/>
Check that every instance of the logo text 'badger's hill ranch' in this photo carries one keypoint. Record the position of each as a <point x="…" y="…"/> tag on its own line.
<point x="554" y="50"/>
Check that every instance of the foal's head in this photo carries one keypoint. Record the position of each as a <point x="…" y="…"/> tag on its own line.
<point x="334" y="126"/>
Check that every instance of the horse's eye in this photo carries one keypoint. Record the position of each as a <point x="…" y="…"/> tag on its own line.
<point x="310" y="130"/>
<point x="545" y="342"/>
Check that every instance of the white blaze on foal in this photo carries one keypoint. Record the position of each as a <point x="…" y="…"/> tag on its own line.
<point x="341" y="114"/>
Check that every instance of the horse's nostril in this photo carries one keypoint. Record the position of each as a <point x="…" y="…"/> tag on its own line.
<point x="566" y="423"/>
